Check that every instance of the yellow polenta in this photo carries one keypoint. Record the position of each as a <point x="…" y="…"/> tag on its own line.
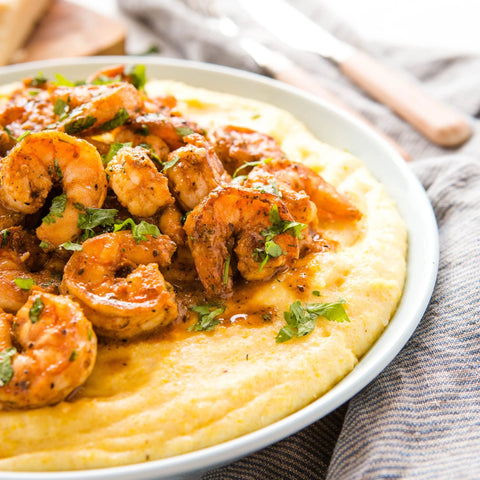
<point x="180" y="391"/>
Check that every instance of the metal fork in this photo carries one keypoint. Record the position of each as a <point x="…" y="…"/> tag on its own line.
<point x="276" y="64"/>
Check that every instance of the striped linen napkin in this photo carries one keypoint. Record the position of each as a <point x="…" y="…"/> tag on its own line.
<point x="420" y="418"/>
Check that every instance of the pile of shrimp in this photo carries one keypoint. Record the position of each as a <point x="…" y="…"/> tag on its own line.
<point x="111" y="203"/>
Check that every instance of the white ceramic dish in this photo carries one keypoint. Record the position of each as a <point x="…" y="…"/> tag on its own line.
<point x="339" y="129"/>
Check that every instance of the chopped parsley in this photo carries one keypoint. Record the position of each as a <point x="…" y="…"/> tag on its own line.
<point x="56" y="210"/>
<point x="183" y="219"/>
<point x="36" y="309"/>
<point x="73" y="356"/>
<point x="142" y="130"/>
<point x="104" y="80"/>
<point x="138" y="231"/>
<point x="39" y="80"/>
<point x="60" y="80"/>
<point x="119" y="119"/>
<point x="78" y="125"/>
<point x="282" y="226"/>
<point x="206" y="317"/>
<point x="6" y="368"/>
<point x="12" y="136"/>
<point x="137" y="75"/>
<point x="271" y="187"/>
<point x="278" y="226"/>
<point x="171" y="162"/>
<point x="95" y="217"/>
<point x="26" y="133"/>
<point x="5" y="235"/>
<point x="114" y="149"/>
<point x="58" y="170"/>
<point x="301" y="319"/>
<point x="61" y="108"/>
<point x="226" y="269"/>
<point x="71" y="246"/>
<point x="251" y="164"/>
<point x="24" y="283"/>
<point x="184" y="131"/>
<point x="263" y="255"/>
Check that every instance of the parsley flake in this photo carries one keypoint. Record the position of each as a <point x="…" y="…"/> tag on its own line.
<point x="137" y="75"/>
<point x="6" y="368"/>
<point x="206" y="317"/>
<point x="226" y="269"/>
<point x="95" y="217"/>
<point x="119" y="119"/>
<point x="301" y="319"/>
<point x="71" y="246"/>
<point x="36" y="309"/>
<point x="63" y="81"/>
<point x="61" y="108"/>
<point x="271" y="187"/>
<point x="184" y="131"/>
<point x="171" y="162"/>
<point x="58" y="170"/>
<point x="251" y="164"/>
<point x="26" y="133"/>
<point x="24" y="283"/>
<point x="271" y="249"/>
<point x="44" y="245"/>
<point x="56" y="210"/>
<point x="114" y="149"/>
<point x="138" y="231"/>
<point x="77" y="125"/>
<point x="39" y="80"/>
<point x="282" y="226"/>
<point x="5" y="234"/>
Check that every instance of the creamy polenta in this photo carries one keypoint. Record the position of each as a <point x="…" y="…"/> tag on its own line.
<point x="177" y="390"/>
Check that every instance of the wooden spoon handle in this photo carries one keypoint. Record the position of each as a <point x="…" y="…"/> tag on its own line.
<point x="438" y="122"/>
<point x="298" y="77"/>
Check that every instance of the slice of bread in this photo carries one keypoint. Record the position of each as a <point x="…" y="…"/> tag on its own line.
<point x="17" y="20"/>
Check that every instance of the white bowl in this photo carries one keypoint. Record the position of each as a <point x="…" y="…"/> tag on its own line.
<point x="339" y="129"/>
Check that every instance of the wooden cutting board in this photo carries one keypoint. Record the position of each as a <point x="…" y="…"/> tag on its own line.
<point x="69" y="30"/>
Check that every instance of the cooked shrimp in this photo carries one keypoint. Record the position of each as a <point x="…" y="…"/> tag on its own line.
<point x="97" y="107"/>
<point x="299" y="205"/>
<point x="237" y="217"/>
<point x="170" y="128"/>
<point x="48" y="350"/>
<point x="235" y="146"/>
<point x="170" y="223"/>
<point x="136" y="181"/>
<point x="119" y="285"/>
<point x="195" y="171"/>
<point x="25" y="113"/>
<point x="330" y="203"/>
<point x="303" y="210"/>
<point x="22" y="260"/>
<point x="29" y="171"/>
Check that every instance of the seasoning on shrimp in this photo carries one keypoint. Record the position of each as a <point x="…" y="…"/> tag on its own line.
<point x="118" y="283"/>
<point x="30" y="171"/>
<point x="48" y="350"/>
<point x="136" y="181"/>
<point x="239" y="214"/>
